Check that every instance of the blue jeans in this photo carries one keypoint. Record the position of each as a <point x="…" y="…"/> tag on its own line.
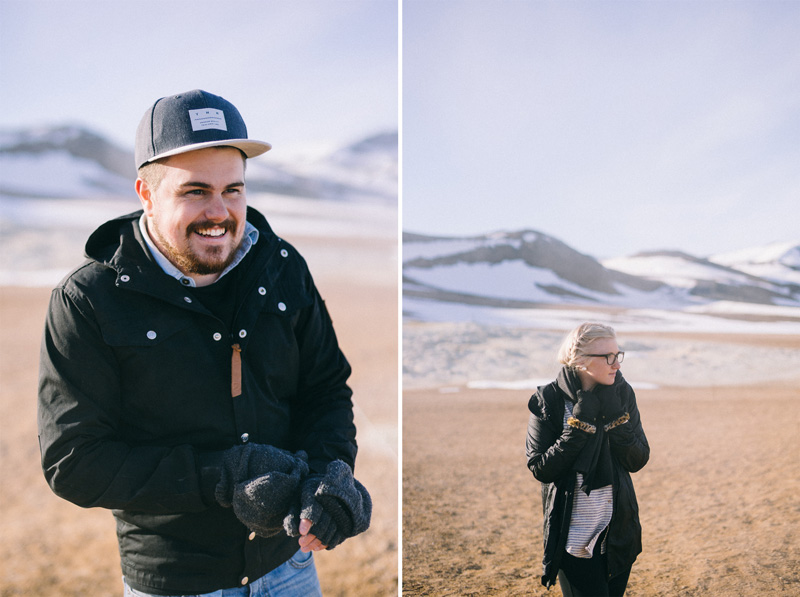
<point x="296" y="577"/>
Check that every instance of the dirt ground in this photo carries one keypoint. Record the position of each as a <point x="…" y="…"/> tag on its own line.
<point x="50" y="547"/>
<point x="718" y="499"/>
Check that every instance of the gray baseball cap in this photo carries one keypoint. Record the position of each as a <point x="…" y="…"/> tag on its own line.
<point x="189" y="121"/>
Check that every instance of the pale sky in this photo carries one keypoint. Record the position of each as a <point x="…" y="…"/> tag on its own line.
<point x="304" y="74"/>
<point x="615" y="126"/>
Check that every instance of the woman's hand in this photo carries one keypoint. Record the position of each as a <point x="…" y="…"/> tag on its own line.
<point x="587" y="408"/>
<point x="610" y="402"/>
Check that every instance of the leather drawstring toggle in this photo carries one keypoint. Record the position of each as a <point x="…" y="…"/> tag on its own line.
<point x="236" y="371"/>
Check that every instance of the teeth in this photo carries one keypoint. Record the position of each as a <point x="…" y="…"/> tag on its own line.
<point x="212" y="232"/>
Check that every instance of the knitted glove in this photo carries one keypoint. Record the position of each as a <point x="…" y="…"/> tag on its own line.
<point x="244" y="463"/>
<point x="587" y="408"/>
<point x="337" y="504"/>
<point x="345" y="499"/>
<point x="610" y="403"/>
<point x="323" y="525"/>
<point x="263" y="502"/>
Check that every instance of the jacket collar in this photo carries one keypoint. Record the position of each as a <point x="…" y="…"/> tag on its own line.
<point x="250" y="238"/>
<point x="120" y="245"/>
<point x="121" y="240"/>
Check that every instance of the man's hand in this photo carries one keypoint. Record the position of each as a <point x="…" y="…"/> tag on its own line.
<point x="309" y="542"/>
<point x="246" y="463"/>
<point x="334" y="505"/>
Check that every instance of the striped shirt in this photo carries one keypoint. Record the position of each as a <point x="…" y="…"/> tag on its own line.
<point x="591" y="513"/>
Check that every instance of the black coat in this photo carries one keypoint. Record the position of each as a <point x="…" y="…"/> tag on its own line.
<point x="551" y="452"/>
<point x="136" y="401"/>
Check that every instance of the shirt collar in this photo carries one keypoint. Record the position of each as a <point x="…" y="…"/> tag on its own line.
<point x="250" y="238"/>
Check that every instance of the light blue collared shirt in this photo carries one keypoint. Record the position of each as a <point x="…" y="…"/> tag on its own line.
<point x="250" y="238"/>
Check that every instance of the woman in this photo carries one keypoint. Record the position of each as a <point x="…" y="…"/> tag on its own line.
<point x="585" y="437"/>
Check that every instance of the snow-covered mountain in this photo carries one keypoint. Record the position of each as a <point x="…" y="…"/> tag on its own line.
<point x="366" y="169"/>
<point x="63" y="161"/>
<point x="779" y="262"/>
<point x="74" y="162"/>
<point x="528" y="268"/>
<point x="719" y="278"/>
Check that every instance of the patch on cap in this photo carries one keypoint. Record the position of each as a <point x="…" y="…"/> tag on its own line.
<point x="207" y="118"/>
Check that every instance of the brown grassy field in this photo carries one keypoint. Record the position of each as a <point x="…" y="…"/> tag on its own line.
<point x="718" y="499"/>
<point x="50" y="547"/>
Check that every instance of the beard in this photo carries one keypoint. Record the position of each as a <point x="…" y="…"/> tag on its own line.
<point x="213" y="260"/>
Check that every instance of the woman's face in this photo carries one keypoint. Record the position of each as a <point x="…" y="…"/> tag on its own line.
<point x="595" y="369"/>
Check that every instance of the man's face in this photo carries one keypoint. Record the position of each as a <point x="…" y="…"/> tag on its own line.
<point x="196" y="216"/>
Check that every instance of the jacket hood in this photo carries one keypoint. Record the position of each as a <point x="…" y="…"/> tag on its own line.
<point x="106" y="239"/>
<point x="569" y="383"/>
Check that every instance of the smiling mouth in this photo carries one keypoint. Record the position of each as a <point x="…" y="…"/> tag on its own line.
<point x="211" y="232"/>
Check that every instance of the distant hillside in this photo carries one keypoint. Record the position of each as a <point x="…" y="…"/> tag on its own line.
<point x="713" y="280"/>
<point x="64" y="161"/>
<point x="779" y="262"/>
<point x="366" y="169"/>
<point x="74" y="162"/>
<point x="528" y="268"/>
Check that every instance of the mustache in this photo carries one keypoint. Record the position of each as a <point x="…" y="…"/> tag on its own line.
<point x="228" y="225"/>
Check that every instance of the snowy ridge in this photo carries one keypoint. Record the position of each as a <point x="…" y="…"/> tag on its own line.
<point x="528" y="269"/>
<point x="64" y="161"/>
<point x="777" y="262"/>
<point x="58" y="184"/>
<point x="710" y="279"/>
<point x="490" y="312"/>
<point x="74" y="162"/>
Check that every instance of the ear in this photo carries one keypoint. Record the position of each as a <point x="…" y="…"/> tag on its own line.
<point x="145" y="196"/>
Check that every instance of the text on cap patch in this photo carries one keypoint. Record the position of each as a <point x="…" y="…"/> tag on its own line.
<point x="207" y="118"/>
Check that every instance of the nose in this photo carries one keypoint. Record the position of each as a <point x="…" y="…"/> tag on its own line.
<point x="216" y="210"/>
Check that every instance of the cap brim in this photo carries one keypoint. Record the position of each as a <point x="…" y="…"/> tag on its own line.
<point x="249" y="147"/>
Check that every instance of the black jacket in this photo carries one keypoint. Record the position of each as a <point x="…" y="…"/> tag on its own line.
<point x="136" y="401"/>
<point x="551" y="452"/>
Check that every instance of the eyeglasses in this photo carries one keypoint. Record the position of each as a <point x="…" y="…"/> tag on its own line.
<point x="610" y="358"/>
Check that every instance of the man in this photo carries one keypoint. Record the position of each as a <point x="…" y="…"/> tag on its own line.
<point x="191" y="380"/>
